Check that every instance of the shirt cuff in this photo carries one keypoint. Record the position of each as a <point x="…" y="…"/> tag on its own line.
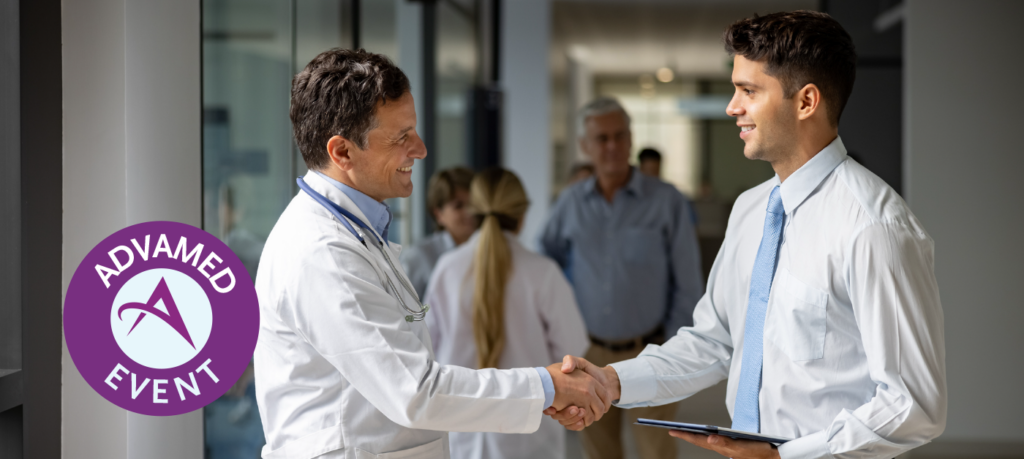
<point x="549" y="386"/>
<point x="637" y="381"/>
<point x="813" y="446"/>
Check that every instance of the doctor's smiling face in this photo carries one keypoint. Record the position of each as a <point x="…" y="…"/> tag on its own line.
<point x="383" y="169"/>
<point x="355" y="121"/>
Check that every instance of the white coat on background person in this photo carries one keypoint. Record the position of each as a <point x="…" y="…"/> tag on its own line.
<point x="340" y="372"/>
<point x="541" y="323"/>
<point x="448" y="203"/>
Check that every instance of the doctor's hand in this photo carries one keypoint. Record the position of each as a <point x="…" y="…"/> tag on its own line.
<point x="607" y="376"/>
<point x="730" y="447"/>
<point x="580" y="390"/>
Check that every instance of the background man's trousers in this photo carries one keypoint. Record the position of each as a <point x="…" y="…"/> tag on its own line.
<point x="603" y="439"/>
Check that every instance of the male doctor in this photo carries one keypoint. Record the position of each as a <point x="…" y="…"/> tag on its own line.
<point x="822" y="307"/>
<point x="344" y="366"/>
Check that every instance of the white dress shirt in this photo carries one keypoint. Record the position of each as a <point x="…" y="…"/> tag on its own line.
<point x="542" y="325"/>
<point x="854" y="355"/>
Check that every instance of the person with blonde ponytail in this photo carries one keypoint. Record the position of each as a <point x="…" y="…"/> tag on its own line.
<point x="496" y="304"/>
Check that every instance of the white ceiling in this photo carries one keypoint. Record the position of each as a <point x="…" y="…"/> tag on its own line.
<point x="619" y="37"/>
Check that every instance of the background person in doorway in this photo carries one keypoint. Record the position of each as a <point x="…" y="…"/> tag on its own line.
<point x="448" y="201"/>
<point x="498" y="305"/>
<point x="650" y="162"/>
<point x="627" y="243"/>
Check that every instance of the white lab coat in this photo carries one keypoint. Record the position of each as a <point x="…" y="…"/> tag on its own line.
<point x="542" y="325"/>
<point x="339" y="371"/>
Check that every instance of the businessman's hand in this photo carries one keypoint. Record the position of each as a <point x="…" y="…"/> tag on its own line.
<point x="606" y="376"/>
<point x="730" y="447"/>
<point x="579" y="389"/>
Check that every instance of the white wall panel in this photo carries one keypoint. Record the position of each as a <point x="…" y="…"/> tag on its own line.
<point x="94" y="195"/>
<point x="963" y="180"/>
<point x="525" y="78"/>
<point x="132" y="153"/>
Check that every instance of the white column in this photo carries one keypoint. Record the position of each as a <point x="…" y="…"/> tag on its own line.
<point x="580" y="91"/>
<point x="132" y="153"/>
<point x="963" y="180"/>
<point x="525" y="78"/>
<point x="410" y="59"/>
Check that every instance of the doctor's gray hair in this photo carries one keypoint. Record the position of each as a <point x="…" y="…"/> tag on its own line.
<point x="337" y="94"/>
<point x="598" y="107"/>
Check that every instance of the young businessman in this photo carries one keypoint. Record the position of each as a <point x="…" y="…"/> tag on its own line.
<point x="822" y="308"/>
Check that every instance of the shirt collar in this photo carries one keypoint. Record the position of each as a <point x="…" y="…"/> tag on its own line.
<point x="806" y="179"/>
<point x="378" y="213"/>
<point x="633" y="185"/>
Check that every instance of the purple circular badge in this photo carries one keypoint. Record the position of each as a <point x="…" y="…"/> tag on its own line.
<point x="161" y="318"/>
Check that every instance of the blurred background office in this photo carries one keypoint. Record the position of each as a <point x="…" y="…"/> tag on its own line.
<point x="118" y="112"/>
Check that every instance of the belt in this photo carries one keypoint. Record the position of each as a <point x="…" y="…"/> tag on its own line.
<point x="657" y="336"/>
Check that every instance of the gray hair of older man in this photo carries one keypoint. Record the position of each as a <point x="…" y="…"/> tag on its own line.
<point x="598" y="107"/>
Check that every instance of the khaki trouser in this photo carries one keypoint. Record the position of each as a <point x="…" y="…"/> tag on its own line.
<point x="603" y="439"/>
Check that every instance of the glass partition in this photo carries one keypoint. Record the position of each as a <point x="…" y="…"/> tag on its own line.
<point x="247" y="166"/>
<point x="456" y="76"/>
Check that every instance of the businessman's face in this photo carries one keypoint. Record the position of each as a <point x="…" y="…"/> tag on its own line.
<point x="607" y="140"/>
<point x="767" y="120"/>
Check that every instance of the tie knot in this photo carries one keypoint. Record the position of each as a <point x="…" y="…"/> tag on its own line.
<point x="775" y="202"/>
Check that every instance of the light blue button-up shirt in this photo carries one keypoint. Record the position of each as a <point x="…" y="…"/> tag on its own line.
<point x="379" y="215"/>
<point x="634" y="263"/>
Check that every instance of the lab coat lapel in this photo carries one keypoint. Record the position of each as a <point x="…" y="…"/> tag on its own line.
<point x="331" y="192"/>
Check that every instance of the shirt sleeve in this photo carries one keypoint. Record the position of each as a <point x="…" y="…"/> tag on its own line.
<point x="549" y="386"/>
<point x="694" y="359"/>
<point x="383" y="358"/>
<point x="895" y="298"/>
<point x="686" y="281"/>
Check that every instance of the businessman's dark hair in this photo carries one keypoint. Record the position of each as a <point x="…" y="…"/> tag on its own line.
<point x="800" y="48"/>
<point x="337" y="94"/>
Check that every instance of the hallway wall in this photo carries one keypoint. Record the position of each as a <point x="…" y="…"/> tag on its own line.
<point x="963" y="180"/>
<point x="132" y="153"/>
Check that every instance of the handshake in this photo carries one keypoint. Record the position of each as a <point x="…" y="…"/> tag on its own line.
<point x="583" y="392"/>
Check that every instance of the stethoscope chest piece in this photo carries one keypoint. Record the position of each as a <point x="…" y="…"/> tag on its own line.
<point x="422" y="314"/>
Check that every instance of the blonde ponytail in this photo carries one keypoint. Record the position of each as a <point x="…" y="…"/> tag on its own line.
<point x="497" y="196"/>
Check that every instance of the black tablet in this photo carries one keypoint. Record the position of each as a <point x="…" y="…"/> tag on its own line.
<point x="711" y="430"/>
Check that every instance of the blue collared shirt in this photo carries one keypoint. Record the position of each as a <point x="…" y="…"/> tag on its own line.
<point x="634" y="263"/>
<point x="378" y="213"/>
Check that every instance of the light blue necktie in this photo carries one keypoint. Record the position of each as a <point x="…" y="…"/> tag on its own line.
<point x="747" y="413"/>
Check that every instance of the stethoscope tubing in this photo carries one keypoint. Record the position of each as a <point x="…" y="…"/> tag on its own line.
<point x="344" y="216"/>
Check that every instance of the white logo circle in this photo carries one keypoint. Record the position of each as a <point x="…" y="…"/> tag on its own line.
<point x="161" y="318"/>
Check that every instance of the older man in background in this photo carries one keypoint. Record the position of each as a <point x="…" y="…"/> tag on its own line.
<point x="627" y="244"/>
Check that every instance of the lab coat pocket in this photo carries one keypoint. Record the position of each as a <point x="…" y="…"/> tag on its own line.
<point x="796" y="318"/>
<point x="640" y="245"/>
<point x="432" y="450"/>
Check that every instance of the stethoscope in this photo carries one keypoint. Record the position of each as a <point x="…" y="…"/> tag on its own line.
<point x="344" y="216"/>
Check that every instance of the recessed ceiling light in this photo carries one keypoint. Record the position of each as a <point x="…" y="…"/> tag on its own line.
<point x="665" y="75"/>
